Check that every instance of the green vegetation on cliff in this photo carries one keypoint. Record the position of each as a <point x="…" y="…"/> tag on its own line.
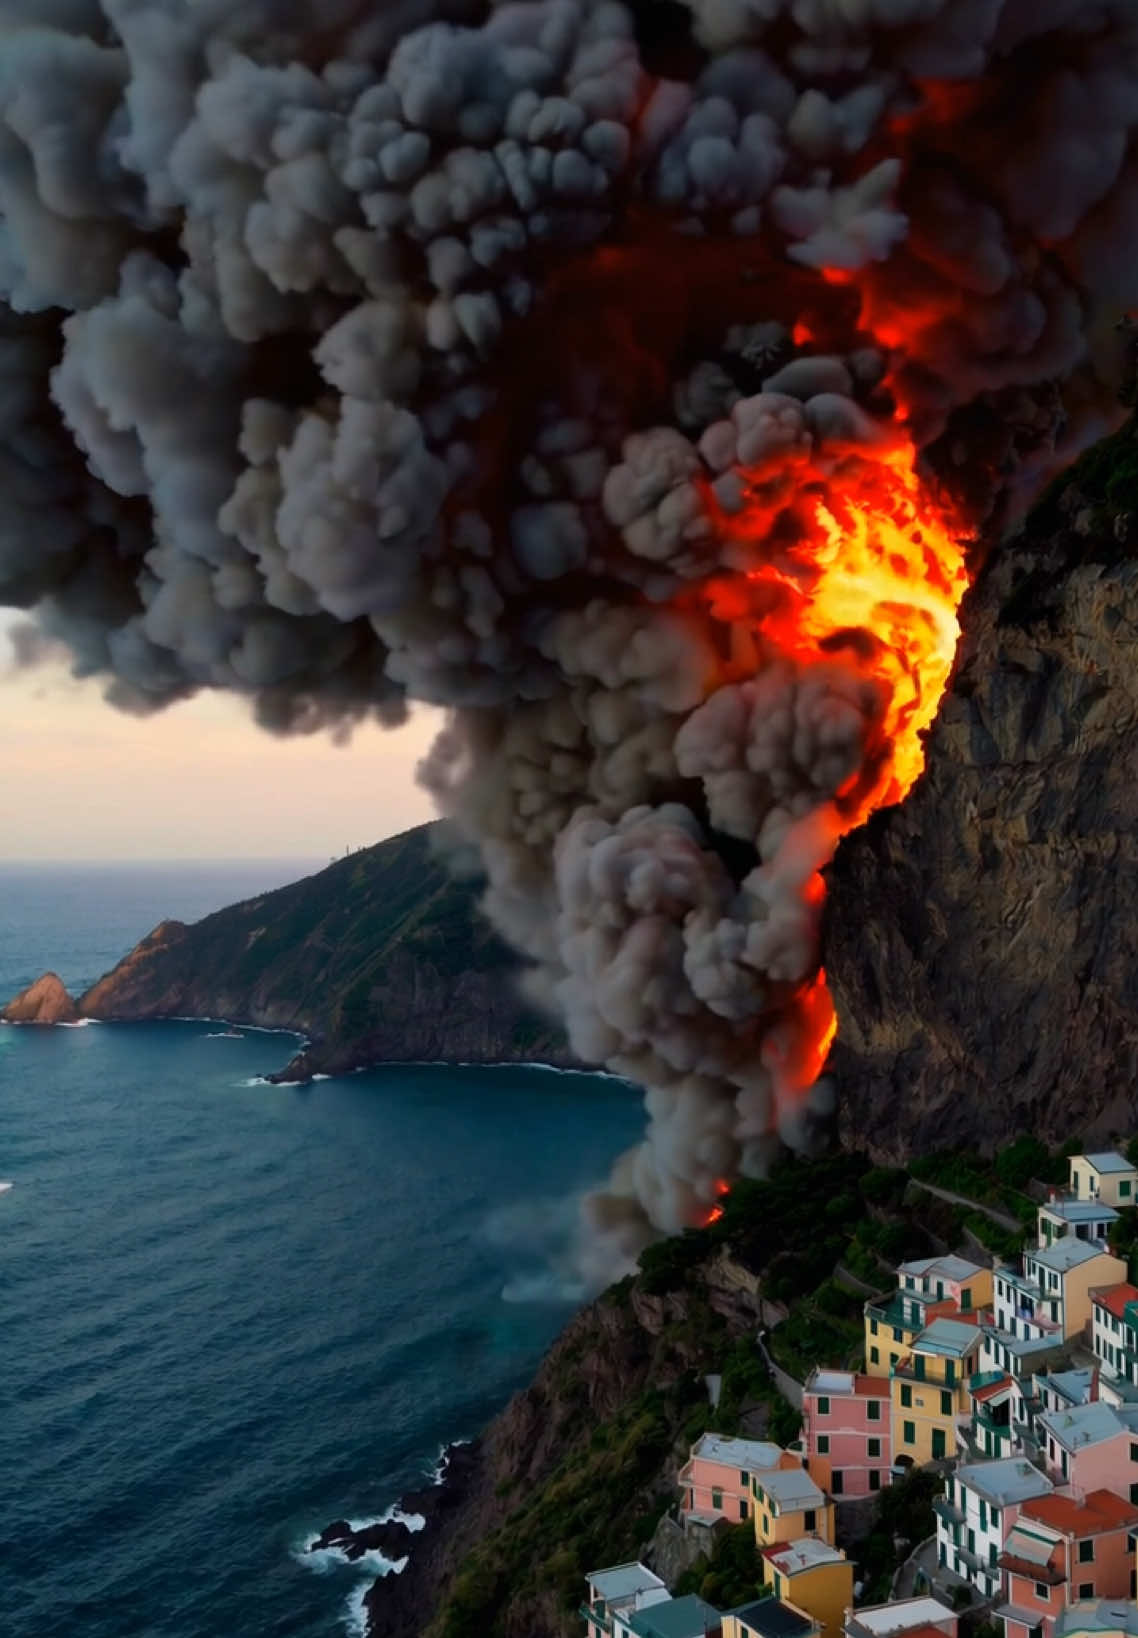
<point x="383" y="955"/>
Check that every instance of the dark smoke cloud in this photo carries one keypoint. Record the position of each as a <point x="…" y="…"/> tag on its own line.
<point x="357" y="352"/>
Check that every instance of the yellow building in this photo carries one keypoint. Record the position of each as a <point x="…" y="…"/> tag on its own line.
<point x="933" y="1288"/>
<point x="788" y="1505"/>
<point x="1104" y="1177"/>
<point x="815" y="1577"/>
<point x="930" y="1391"/>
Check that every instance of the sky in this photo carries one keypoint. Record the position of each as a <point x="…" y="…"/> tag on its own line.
<point x="79" y="780"/>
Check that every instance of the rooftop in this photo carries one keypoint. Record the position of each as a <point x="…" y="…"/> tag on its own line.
<point x="792" y="1488"/>
<point x="624" y="1581"/>
<point x="1082" y="1425"/>
<point x="756" y="1455"/>
<point x="1067" y="1253"/>
<point x="847" y="1384"/>
<point x="941" y="1268"/>
<point x="1022" y="1348"/>
<point x="1097" y="1615"/>
<point x="1080" y="1211"/>
<point x="946" y="1336"/>
<point x="807" y="1553"/>
<point x="1004" y="1482"/>
<point x="1115" y="1297"/>
<point x="1107" y="1161"/>
<point x="989" y="1385"/>
<point x="771" y="1618"/>
<point x="687" y="1617"/>
<point x="1101" y="1510"/>
<point x="1073" y="1386"/>
<point x="907" y="1615"/>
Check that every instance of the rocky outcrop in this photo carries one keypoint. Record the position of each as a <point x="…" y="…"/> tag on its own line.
<point x="981" y="941"/>
<point x="44" y="1002"/>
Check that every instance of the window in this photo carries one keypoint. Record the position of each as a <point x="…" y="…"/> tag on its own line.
<point x="1064" y="1464"/>
<point x="1086" y="1589"/>
<point x="1043" y="1592"/>
<point x="1134" y="1494"/>
<point x="823" y="1405"/>
<point x="949" y="1372"/>
<point x="874" y="1356"/>
<point x="744" y="1509"/>
<point x="873" y="1327"/>
<point x="1124" y="1190"/>
<point x="1134" y="1453"/>
<point x="983" y="1514"/>
<point x="873" y="1447"/>
<point x="906" y="1395"/>
<point x="966" y="1298"/>
<point x="945" y="1403"/>
<point x="809" y="1519"/>
<point x="717" y="1500"/>
<point x="874" y="1478"/>
<point x="919" y="1367"/>
<point x="896" y="1334"/>
<point x="995" y="1518"/>
<point x="873" y="1410"/>
<point x="744" y="1479"/>
<point x="823" y="1444"/>
<point x="1055" y="1311"/>
<point x="837" y="1481"/>
<point x="993" y="1555"/>
<point x="892" y="1359"/>
<point x="909" y="1437"/>
<point x="1086" y="1552"/>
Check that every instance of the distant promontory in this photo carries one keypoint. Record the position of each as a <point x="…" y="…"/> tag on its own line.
<point x="382" y="957"/>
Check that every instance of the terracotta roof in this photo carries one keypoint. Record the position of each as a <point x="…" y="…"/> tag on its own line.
<point x="1115" y="1297"/>
<point x="1102" y="1510"/>
<point x="987" y="1392"/>
<point x="1046" y="1573"/>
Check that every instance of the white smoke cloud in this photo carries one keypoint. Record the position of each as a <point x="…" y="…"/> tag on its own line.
<point x="450" y="349"/>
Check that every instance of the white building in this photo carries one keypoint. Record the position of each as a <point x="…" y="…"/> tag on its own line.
<point x="1063" y="1218"/>
<point x="1114" y="1330"/>
<point x="618" y="1593"/>
<point x="980" y="1504"/>
<point x="1106" y="1177"/>
<point x="1050" y="1298"/>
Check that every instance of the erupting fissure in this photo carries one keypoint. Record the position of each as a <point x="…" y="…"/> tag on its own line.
<point x="629" y="381"/>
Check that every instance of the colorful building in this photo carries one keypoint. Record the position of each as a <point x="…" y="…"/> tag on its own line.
<point x="1082" y="1219"/>
<point x="717" y="1479"/>
<point x="788" y="1505"/>
<point x="814" y="1577"/>
<point x="1021" y="1357"/>
<point x="996" y="1403"/>
<point x="1050" y="1296"/>
<point x="1108" y="1618"/>
<point x="930" y="1391"/>
<point x="1114" y="1330"/>
<point x="933" y="1288"/>
<point x="1061" y="1551"/>
<point x="904" y="1618"/>
<point x="616" y="1594"/>
<point x="769" y="1618"/>
<point x="687" y="1617"/>
<point x="846" y="1431"/>
<point x="981" y="1503"/>
<point x="1091" y="1447"/>
<point x="1104" y="1177"/>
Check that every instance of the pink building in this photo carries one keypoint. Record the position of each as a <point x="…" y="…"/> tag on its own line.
<point x="1061" y="1551"/>
<point x="716" y="1478"/>
<point x="1091" y="1447"/>
<point x="845" y="1431"/>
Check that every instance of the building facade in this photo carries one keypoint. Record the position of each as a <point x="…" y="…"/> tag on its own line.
<point x="846" y="1432"/>
<point x="981" y="1503"/>
<point x="1114" y="1330"/>
<point x="717" y="1479"/>
<point x="930" y="1392"/>
<point x="814" y="1577"/>
<point x="1104" y="1177"/>
<point x="1091" y="1447"/>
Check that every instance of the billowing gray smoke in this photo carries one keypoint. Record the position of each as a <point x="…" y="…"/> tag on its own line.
<point x="449" y="349"/>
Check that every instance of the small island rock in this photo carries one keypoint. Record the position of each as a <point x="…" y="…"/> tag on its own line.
<point x="44" y="1002"/>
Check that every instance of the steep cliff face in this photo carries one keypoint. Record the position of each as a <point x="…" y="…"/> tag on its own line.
<point x="382" y="956"/>
<point x="982" y="940"/>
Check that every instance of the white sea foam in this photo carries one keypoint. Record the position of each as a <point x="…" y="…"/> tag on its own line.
<point x="320" y="1076"/>
<point x="438" y="1472"/>
<point x="545" y="1287"/>
<point x="4" y="1187"/>
<point x="80" y="1023"/>
<point x="355" y="1611"/>
<point x="254" y="1080"/>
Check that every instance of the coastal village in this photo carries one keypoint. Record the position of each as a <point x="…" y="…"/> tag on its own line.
<point x="1015" y="1384"/>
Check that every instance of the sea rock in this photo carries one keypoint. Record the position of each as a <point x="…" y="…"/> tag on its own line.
<point x="44" y="1002"/>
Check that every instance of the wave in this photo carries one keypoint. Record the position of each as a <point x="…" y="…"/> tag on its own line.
<point x="80" y="1023"/>
<point x="437" y="1473"/>
<point x="355" y="1610"/>
<point x="4" y="1187"/>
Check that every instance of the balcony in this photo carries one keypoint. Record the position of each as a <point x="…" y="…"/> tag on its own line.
<point x="597" y="1614"/>
<point x="952" y="1516"/>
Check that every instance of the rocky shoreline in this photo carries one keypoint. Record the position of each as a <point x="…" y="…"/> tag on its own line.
<point x="394" y="1604"/>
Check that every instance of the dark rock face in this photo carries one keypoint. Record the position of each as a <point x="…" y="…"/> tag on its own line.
<point x="982" y="939"/>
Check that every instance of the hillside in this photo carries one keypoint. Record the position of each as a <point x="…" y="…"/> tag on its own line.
<point x="381" y="956"/>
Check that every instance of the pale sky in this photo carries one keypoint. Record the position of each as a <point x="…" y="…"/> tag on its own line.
<point x="79" y="780"/>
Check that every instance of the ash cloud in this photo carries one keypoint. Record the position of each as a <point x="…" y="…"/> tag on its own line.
<point x="449" y="350"/>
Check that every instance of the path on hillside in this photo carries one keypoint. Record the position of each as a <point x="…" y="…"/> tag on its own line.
<point x="1003" y="1218"/>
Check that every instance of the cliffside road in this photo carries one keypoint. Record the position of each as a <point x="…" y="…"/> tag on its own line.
<point x="1003" y="1218"/>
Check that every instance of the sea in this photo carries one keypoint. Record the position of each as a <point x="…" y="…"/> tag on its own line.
<point x="231" y="1312"/>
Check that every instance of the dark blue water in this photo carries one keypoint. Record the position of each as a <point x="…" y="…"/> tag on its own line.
<point x="232" y="1312"/>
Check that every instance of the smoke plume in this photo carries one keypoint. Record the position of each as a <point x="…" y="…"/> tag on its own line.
<point x="627" y="378"/>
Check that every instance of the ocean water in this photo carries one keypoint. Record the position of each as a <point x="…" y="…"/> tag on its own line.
<point x="232" y="1312"/>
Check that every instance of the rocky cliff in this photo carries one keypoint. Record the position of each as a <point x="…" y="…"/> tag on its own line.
<point x="982" y="940"/>
<point x="382" y="956"/>
<point x="44" y="1002"/>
